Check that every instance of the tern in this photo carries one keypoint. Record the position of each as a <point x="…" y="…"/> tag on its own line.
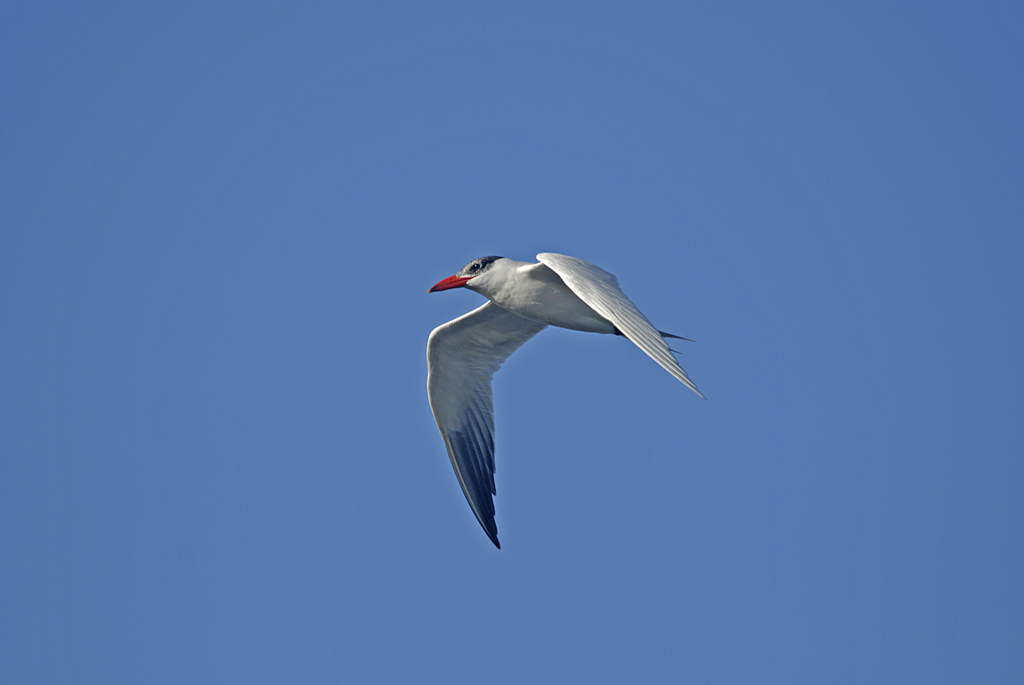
<point x="523" y="299"/>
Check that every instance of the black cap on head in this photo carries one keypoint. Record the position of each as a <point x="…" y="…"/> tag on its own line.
<point x="477" y="267"/>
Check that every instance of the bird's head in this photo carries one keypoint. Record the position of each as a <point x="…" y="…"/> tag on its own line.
<point x="467" y="273"/>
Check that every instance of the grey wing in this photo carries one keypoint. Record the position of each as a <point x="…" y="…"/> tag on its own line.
<point x="462" y="357"/>
<point x="600" y="290"/>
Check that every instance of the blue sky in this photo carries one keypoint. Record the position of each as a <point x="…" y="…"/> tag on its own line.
<point x="220" y="221"/>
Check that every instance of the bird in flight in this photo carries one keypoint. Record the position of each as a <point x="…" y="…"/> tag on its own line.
<point x="523" y="299"/>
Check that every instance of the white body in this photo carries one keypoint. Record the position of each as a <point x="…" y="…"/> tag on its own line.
<point x="524" y="298"/>
<point x="535" y="292"/>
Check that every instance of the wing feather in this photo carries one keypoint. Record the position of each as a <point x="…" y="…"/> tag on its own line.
<point x="600" y="290"/>
<point x="462" y="357"/>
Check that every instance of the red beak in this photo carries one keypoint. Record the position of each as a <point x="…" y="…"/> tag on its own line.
<point x="449" y="283"/>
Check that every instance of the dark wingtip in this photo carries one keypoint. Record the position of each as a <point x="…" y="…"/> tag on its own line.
<point x="492" y="532"/>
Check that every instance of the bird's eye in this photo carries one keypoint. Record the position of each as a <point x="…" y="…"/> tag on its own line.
<point x="475" y="267"/>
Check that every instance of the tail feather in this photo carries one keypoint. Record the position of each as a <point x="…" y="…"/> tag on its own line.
<point x="663" y="334"/>
<point x="677" y="337"/>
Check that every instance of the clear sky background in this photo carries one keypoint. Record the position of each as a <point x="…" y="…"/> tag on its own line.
<point x="218" y="224"/>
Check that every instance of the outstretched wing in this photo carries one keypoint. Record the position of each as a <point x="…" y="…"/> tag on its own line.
<point x="600" y="290"/>
<point x="462" y="356"/>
